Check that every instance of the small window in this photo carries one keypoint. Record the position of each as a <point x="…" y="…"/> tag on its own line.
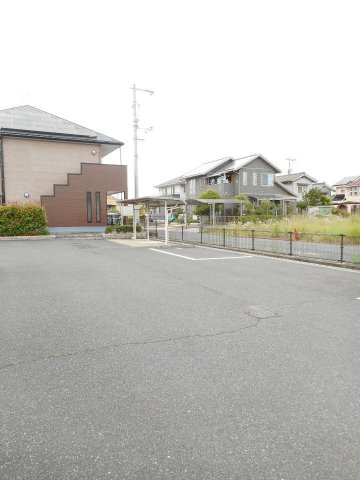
<point x="255" y="179"/>
<point x="244" y="175"/>
<point x="98" y="206"/>
<point x="192" y="186"/>
<point x="88" y="207"/>
<point x="267" y="179"/>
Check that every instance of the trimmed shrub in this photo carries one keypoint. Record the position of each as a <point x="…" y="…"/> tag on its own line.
<point x="121" y="229"/>
<point x="22" y="219"/>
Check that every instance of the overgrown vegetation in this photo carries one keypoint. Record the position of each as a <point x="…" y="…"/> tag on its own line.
<point x="23" y="219"/>
<point x="331" y="224"/>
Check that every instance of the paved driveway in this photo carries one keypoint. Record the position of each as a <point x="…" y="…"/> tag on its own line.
<point x="180" y="363"/>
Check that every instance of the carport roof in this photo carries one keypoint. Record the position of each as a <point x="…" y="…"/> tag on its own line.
<point x="158" y="201"/>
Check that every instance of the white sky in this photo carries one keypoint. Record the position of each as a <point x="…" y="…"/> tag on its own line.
<point x="231" y="78"/>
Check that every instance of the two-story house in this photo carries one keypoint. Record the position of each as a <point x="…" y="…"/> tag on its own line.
<point x="59" y="164"/>
<point x="253" y="176"/>
<point x="300" y="183"/>
<point x="347" y="194"/>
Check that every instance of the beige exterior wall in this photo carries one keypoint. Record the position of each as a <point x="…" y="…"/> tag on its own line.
<point x="34" y="166"/>
<point x="355" y="196"/>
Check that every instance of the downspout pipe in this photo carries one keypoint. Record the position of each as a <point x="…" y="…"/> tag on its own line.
<point x="2" y="173"/>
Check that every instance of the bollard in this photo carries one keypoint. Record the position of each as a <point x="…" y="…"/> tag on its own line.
<point x="342" y="247"/>
<point x="253" y="240"/>
<point x="224" y="242"/>
<point x="291" y="242"/>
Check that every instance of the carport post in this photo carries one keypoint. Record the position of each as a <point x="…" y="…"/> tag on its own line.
<point x="134" y="223"/>
<point x="166" y="224"/>
<point x="148" y="222"/>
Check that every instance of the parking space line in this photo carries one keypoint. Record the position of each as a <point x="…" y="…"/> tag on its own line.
<point x="173" y="254"/>
<point x="200" y="259"/>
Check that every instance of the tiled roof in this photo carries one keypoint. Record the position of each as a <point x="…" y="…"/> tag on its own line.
<point x="355" y="183"/>
<point x="28" y="121"/>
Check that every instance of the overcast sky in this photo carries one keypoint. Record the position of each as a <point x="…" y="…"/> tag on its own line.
<point x="231" y="78"/>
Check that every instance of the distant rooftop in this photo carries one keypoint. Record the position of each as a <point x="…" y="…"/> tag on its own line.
<point x="346" y="180"/>
<point x="291" y="177"/>
<point x="206" y="167"/>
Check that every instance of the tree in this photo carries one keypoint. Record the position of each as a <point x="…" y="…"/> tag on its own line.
<point x="266" y="207"/>
<point x="248" y="205"/>
<point x="205" y="209"/>
<point x="316" y="197"/>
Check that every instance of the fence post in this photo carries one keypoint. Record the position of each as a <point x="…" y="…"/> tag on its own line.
<point x="156" y="232"/>
<point x="291" y="242"/>
<point x="253" y="240"/>
<point x="224" y="237"/>
<point x="201" y="232"/>
<point x="182" y="233"/>
<point x="342" y="247"/>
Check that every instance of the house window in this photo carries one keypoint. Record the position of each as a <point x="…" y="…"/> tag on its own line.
<point x="244" y="175"/>
<point x="301" y="190"/>
<point x="98" y="206"/>
<point x="192" y="186"/>
<point x="254" y="179"/>
<point x="88" y="207"/>
<point x="267" y="179"/>
<point x="202" y="182"/>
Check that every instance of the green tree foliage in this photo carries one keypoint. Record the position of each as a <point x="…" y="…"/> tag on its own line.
<point x="249" y="207"/>
<point x="205" y="209"/>
<point x="266" y="207"/>
<point x="316" y="197"/>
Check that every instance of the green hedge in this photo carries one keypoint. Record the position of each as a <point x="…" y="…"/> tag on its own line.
<point x="122" y="229"/>
<point x="22" y="219"/>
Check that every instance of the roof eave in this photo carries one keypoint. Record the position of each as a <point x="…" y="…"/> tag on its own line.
<point x="61" y="137"/>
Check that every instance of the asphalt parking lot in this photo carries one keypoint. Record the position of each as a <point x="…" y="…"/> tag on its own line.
<point x="179" y="363"/>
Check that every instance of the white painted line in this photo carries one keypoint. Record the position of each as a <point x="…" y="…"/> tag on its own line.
<point x="173" y="254"/>
<point x="223" y="258"/>
<point x="200" y="259"/>
<point x="358" y="298"/>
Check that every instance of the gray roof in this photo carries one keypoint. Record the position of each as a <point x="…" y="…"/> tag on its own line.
<point x="30" y="122"/>
<point x="206" y="167"/>
<point x="291" y="177"/>
<point x="235" y="164"/>
<point x="346" y="180"/>
<point x="216" y="167"/>
<point x="173" y="181"/>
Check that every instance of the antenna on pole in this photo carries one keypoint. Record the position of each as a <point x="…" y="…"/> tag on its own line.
<point x="290" y="160"/>
<point x="136" y="127"/>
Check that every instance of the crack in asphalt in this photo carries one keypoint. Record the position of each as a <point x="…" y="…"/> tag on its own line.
<point x="146" y="342"/>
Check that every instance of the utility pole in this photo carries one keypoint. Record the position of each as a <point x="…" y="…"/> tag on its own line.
<point x="290" y="160"/>
<point x="136" y="126"/>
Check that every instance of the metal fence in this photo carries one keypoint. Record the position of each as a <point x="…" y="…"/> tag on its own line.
<point x="339" y="248"/>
